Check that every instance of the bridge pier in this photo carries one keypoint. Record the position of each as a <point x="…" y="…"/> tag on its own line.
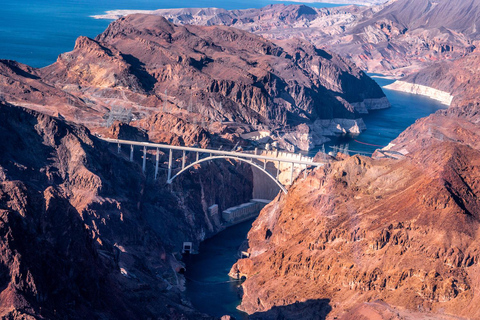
<point x="131" y="152"/>
<point x="291" y="174"/>
<point x="144" y="162"/>
<point x="157" y="157"/>
<point x="119" y="148"/>
<point x="169" y="165"/>
<point x="278" y="169"/>
<point x="183" y="160"/>
<point x="197" y="157"/>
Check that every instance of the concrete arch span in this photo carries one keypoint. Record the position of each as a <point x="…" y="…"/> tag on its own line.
<point x="230" y="157"/>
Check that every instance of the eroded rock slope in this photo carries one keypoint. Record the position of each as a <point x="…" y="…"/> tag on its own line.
<point x="84" y="234"/>
<point x="398" y="37"/>
<point x="200" y="74"/>
<point x="380" y="238"/>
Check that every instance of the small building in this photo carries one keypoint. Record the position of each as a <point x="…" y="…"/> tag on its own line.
<point x="244" y="211"/>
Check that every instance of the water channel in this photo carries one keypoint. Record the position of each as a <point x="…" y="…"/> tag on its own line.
<point x="208" y="285"/>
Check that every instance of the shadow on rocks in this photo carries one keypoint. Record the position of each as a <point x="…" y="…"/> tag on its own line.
<point x="308" y="310"/>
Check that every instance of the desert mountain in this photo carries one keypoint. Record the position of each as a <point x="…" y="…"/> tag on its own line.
<point x="393" y="237"/>
<point x="380" y="238"/>
<point x="458" y="78"/>
<point x="398" y="37"/>
<point x="214" y="74"/>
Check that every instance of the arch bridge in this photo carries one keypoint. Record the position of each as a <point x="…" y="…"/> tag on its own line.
<point x="258" y="161"/>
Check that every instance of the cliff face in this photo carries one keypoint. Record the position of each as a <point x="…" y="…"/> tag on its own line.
<point x="380" y="238"/>
<point x="198" y="74"/>
<point x="236" y="76"/>
<point x="84" y="234"/>
<point x="23" y="84"/>
<point x="458" y="78"/>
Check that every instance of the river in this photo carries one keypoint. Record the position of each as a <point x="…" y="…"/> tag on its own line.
<point x="209" y="287"/>
<point x="385" y="125"/>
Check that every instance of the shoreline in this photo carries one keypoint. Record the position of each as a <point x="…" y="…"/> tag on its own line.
<point x="345" y="2"/>
<point x="118" y="13"/>
<point x="413" y="88"/>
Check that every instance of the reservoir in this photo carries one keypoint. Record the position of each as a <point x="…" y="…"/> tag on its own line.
<point x="385" y="125"/>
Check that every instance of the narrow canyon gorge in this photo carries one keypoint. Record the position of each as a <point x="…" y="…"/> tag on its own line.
<point x="88" y="233"/>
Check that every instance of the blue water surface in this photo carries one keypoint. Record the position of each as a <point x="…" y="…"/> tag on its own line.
<point x="35" y="32"/>
<point x="385" y="125"/>
<point x="209" y="287"/>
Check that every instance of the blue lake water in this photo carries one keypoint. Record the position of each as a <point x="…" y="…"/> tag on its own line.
<point x="35" y="32"/>
<point x="385" y="125"/>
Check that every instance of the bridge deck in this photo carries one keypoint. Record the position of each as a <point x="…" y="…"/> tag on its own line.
<point x="214" y="152"/>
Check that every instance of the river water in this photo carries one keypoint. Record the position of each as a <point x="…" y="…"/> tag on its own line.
<point x="209" y="287"/>
<point x="385" y="125"/>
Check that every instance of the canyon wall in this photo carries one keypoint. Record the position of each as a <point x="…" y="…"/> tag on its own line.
<point x="85" y="234"/>
<point x="224" y="80"/>
<point x="397" y="37"/>
<point x="380" y="238"/>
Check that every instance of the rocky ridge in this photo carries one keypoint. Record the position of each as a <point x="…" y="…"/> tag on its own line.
<point x="396" y="38"/>
<point x="205" y="76"/>
<point x="359" y="230"/>
<point x="389" y="237"/>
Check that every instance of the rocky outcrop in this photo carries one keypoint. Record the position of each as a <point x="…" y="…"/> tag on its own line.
<point x="22" y="84"/>
<point x="84" y="234"/>
<point x="275" y="84"/>
<point x="369" y="230"/>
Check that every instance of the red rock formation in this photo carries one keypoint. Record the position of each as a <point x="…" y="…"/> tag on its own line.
<point x="22" y="84"/>
<point x="404" y="232"/>
<point x="238" y="76"/>
<point x="399" y="37"/>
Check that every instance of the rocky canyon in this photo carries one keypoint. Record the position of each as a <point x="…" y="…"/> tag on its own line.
<point x="86" y="234"/>
<point x="396" y="38"/>
<point x="394" y="236"/>
<point x="213" y="77"/>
